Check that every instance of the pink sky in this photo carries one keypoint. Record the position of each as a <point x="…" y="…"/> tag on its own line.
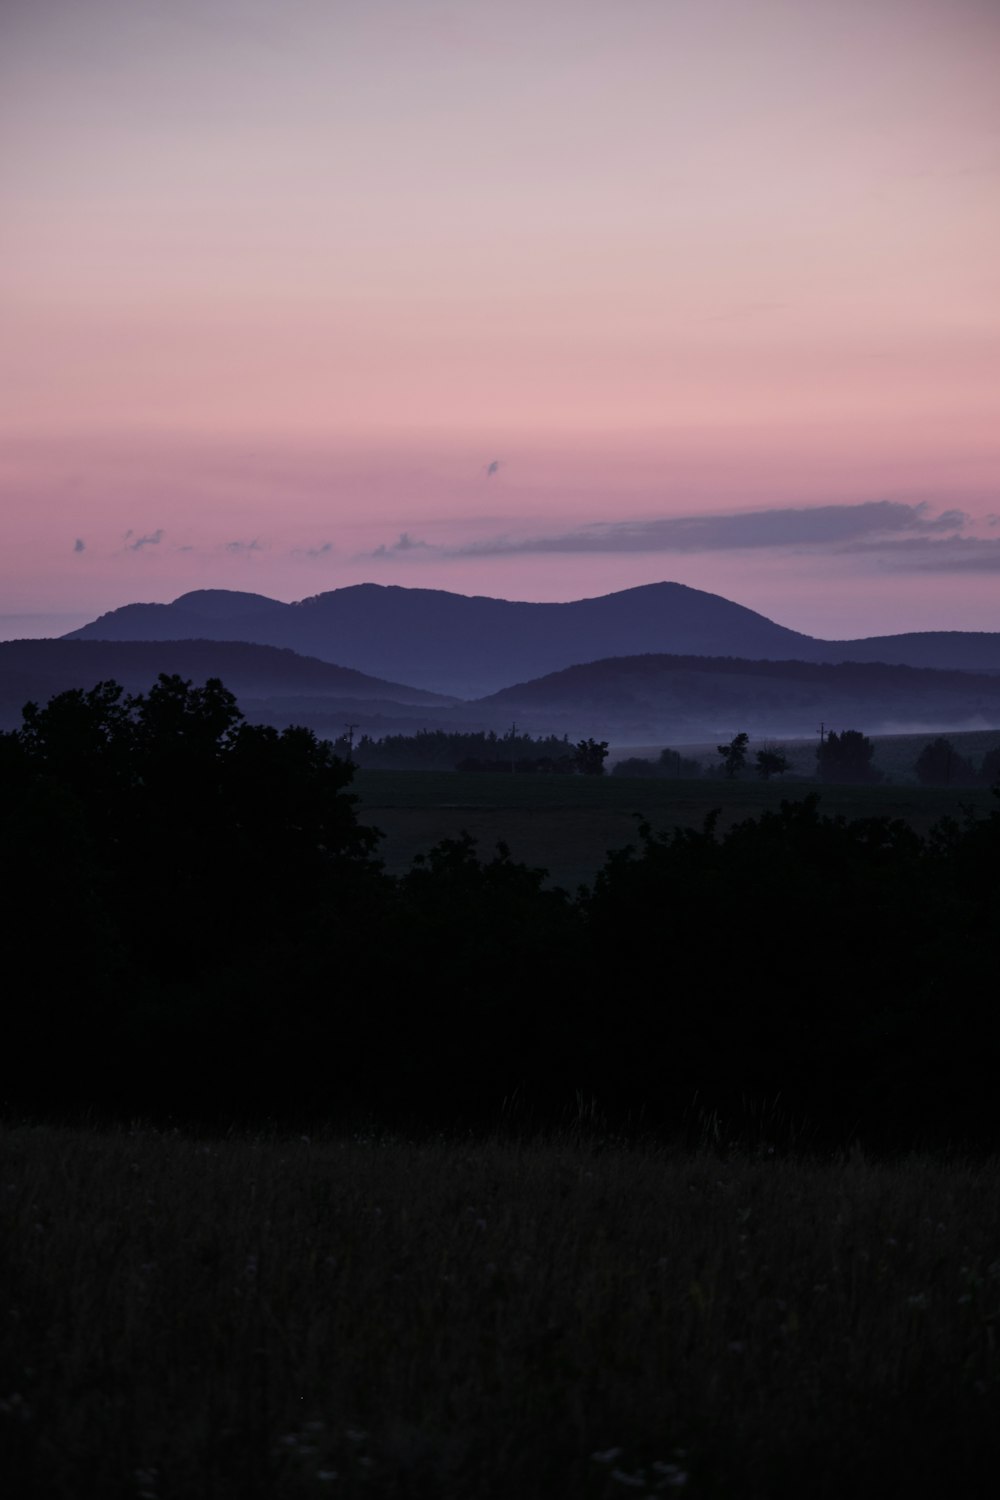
<point x="282" y="278"/>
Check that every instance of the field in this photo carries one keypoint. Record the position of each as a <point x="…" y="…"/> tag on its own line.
<point x="567" y="824"/>
<point x="244" y="1317"/>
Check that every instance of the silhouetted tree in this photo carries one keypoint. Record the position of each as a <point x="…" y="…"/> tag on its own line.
<point x="940" y="764"/>
<point x="771" y="761"/>
<point x="590" y="756"/>
<point x="192" y="817"/>
<point x="734" y="755"/>
<point x="846" y="757"/>
<point x="989" y="771"/>
<point x="195" y="928"/>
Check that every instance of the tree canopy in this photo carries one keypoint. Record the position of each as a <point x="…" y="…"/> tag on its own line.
<point x="589" y="757"/>
<point x="195" y="926"/>
<point x="192" y="821"/>
<point x="771" y="761"/>
<point x="940" y="764"/>
<point x="734" y="755"/>
<point x="846" y="757"/>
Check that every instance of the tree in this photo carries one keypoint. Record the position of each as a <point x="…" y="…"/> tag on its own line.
<point x="590" y="756"/>
<point x="846" y="757"/>
<point x="734" y="755"/>
<point x="989" y="771"/>
<point x="771" y="761"/>
<point x="673" y="763"/>
<point x="189" y="818"/>
<point x="939" y="764"/>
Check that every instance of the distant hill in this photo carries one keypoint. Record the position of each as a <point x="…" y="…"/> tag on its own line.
<point x="650" y="698"/>
<point x="461" y="644"/>
<point x="954" y="650"/>
<point x="633" y="699"/>
<point x="272" y="684"/>
<point x="469" y="646"/>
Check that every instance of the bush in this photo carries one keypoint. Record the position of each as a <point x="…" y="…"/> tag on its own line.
<point x="846" y="757"/>
<point x="940" y="764"/>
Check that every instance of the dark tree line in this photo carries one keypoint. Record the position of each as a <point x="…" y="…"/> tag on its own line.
<point x="196" y="926"/>
<point x="446" y="750"/>
<point x="438" y="749"/>
<point x="940" y="764"/>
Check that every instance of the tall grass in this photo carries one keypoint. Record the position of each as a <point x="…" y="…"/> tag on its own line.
<point x="259" y="1316"/>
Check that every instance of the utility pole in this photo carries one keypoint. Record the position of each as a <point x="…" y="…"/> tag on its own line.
<point x="513" y="734"/>
<point x="350" y="741"/>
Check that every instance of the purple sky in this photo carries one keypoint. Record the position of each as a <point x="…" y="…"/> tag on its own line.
<point x="540" y="300"/>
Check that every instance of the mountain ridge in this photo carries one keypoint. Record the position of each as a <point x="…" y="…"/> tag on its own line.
<point x="471" y="645"/>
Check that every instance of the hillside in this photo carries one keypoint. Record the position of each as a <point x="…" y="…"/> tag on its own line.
<point x="469" y="646"/>
<point x="455" y="643"/>
<point x="631" y="700"/>
<point x="961" y="650"/>
<point x="682" y="698"/>
<point x="273" y="684"/>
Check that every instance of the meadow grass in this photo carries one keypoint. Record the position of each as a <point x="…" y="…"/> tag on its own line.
<point x="365" y="1316"/>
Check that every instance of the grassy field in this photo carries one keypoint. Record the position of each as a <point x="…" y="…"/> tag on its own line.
<point x="270" y="1317"/>
<point x="567" y="824"/>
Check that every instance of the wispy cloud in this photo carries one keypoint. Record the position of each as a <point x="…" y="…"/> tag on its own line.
<point x="405" y="543"/>
<point x="79" y="545"/>
<point x="826" y="527"/>
<point x="135" y="543"/>
<point x="322" y="549"/>
<point x="956" y="554"/>
<point x="244" y="549"/>
<point x="821" y="525"/>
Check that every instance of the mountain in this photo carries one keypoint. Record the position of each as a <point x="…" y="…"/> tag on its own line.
<point x="651" y="698"/>
<point x="273" y="684"/>
<point x="633" y="699"/>
<point x="956" y="650"/>
<point x="470" y="646"/>
<point x="456" y="643"/>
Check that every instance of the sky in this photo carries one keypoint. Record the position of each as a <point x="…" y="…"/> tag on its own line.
<point x="538" y="300"/>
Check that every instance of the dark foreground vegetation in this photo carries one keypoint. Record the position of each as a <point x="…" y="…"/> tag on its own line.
<point x="250" y="1317"/>
<point x="197" y="930"/>
<point x="361" y="1248"/>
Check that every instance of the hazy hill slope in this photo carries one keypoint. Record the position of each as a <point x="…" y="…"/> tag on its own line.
<point x="632" y="699"/>
<point x="272" y="676"/>
<point x="474" y="645"/>
<point x="657" y="696"/>
<point x="948" y="650"/>
<point x="461" y="644"/>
